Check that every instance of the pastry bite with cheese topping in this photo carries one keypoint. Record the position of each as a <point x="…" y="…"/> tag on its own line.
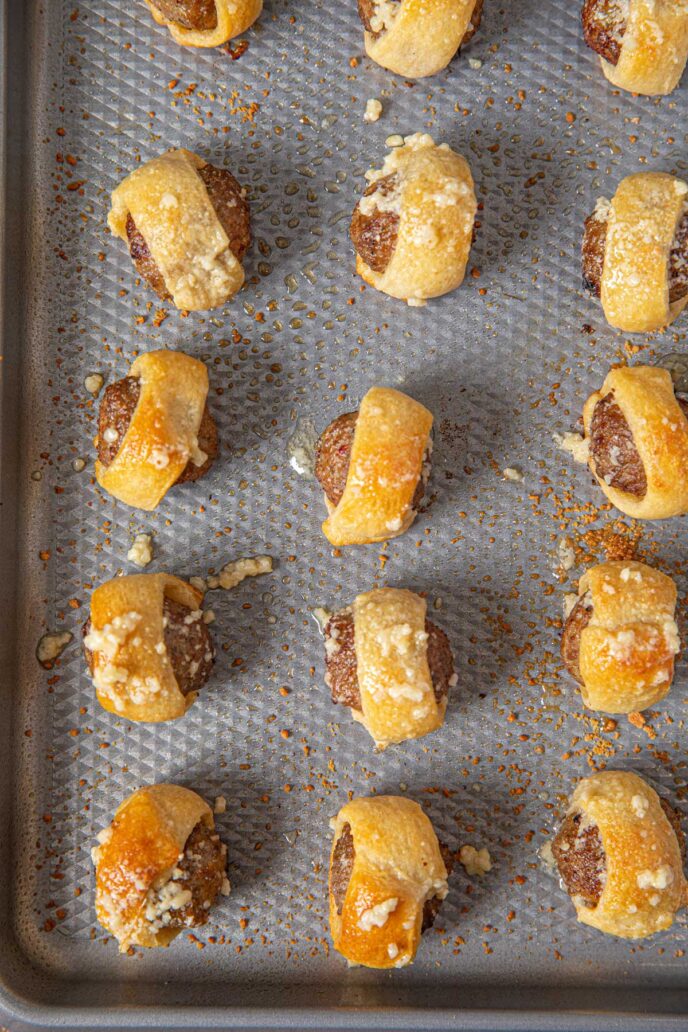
<point x="412" y="230"/>
<point x="205" y="23"/>
<point x="147" y="646"/>
<point x="643" y="44"/>
<point x="160" y="866"/>
<point x="154" y="429"/>
<point x="620" y="853"/>
<point x="187" y="226"/>
<point x="390" y="665"/>
<point x="388" y="877"/>
<point x="620" y="640"/>
<point x="636" y="429"/>
<point x="415" y="38"/>
<point x="373" y="466"/>
<point x="635" y="252"/>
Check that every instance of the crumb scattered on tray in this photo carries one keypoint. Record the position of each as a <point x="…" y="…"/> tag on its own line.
<point x="141" y="551"/>
<point x="475" y="861"/>
<point x="373" y="110"/>
<point x="238" y="570"/>
<point x="51" y="646"/>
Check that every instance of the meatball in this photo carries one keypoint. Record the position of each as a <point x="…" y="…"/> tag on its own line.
<point x="231" y="207"/>
<point x="578" y="619"/>
<point x="604" y="25"/>
<point x="342" y="867"/>
<point x="613" y="450"/>
<point x="116" y="411"/>
<point x="579" y="854"/>
<point x="342" y="677"/>
<point x="374" y="236"/>
<point x="595" y="242"/>
<point x="366" y="11"/>
<point x="190" y="14"/>
<point x="188" y="643"/>
<point x="202" y="872"/>
<point x="332" y="455"/>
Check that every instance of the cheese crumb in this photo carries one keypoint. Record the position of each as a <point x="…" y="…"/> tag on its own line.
<point x="475" y="861"/>
<point x="373" y="110"/>
<point x="94" y="383"/>
<point x="577" y="446"/>
<point x="510" y="473"/>
<point x="659" y="879"/>
<point x="141" y="551"/>
<point x="376" y="917"/>
<point x="51" y="646"/>
<point x="235" y="572"/>
<point x="220" y="804"/>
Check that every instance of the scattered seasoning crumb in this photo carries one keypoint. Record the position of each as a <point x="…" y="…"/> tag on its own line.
<point x="373" y="110"/>
<point x="93" y="384"/>
<point x="235" y="572"/>
<point x="220" y="804"/>
<point x="141" y="552"/>
<point x="510" y="473"/>
<point x="51" y="646"/>
<point x="475" y="861"/>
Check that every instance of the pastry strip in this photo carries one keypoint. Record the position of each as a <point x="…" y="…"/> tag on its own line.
<point x="233" y="18"/>
<point x="422" y="38"/>
<point x="654" y="48"/>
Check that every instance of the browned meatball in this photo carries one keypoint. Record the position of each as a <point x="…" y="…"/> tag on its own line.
<point x="595" y="242"/>
<point x="202" y="871"/>
<point x="374" y="236"/>
<point x="340" y="657"/>
<point x="366" y="10"/>
<point x="604" y="25"/>
<point x="190" y="14"/>
<point x="332" y="456"/>
<point x="188" y="643"/>
<point x="613" y="449"/>
<point x="578" y="619"/>
<point x="342" y="867"/>
<point x="116" y="411"/>
<point x="227" y="198"/>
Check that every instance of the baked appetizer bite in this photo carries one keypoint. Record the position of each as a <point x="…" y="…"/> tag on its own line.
<point x="390" y="665"/>
<point x="619" y="853"/>
<point x="388" y="877"/>
<point x="620" y="640"/>
<point x="373" y="466"/>
<point x="635" y="252"/>
<point x="414" y="38"/>
<point x="205" y="23"/>
<point x="412" y="230"/>
<point x="147" y="646"/>
<point x="636" y="428"/>
<point x="154" y="429"/>
<point x="643" y="44"/>
<point x="187" y="226"/>
<point x="160" y="866"/>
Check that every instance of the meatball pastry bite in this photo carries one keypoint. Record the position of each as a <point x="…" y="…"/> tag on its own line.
<point x="205" y="23"/>
<point x="373" y="466"/>
<point x="154" y="429"/>
<point x="160" y="865"/>
<point x="413" y="228"/>
<point x="636" y="429"/>
<point x="414" y="38"/>
<point x="389" y="665"/>
<point x="187" y="226"/>
<point x="147" y="646"/>
<point x="643" y="44"/>
<point x="619" y="853"/>
<point x="388" y="877"/>
<point x="620" y="639"/>
<point x="635" y="252"/>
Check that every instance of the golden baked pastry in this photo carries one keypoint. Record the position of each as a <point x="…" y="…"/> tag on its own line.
<point x="147" y="646"/>
<point x="387" y="460"/>
<point x="162" y="436"/>
<point x="390" y="665"/>
<point x="413" y="228"/>
<point x="619" y="856"/>
<point x="620" y="639"/>
<point x="636" y="428"/>
<point x="205" y="23"/>
<point x="168" y="204"/>
<point x="159" y="866"/>
<point x="387" y="877"/>
<point x="415" y="38"/>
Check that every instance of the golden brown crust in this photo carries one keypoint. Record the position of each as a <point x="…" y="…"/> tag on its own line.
<point x="397" y="867"/>
<point x="416" y="39"/>
<point x="653" y="48"/>
<point x="232" y="17"/>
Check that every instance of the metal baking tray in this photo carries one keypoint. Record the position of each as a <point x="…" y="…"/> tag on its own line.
<point x="504" y="363"/>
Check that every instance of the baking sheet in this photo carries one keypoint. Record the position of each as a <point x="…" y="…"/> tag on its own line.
<point x="504" y="363"/>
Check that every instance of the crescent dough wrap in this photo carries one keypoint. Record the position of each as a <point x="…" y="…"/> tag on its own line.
<point x="169" y="203"/>
<point x="436" y="205"/>
<point x="422" y="35"/>
<point x="131" y="671"/>
<point x="645" y="395"/>
<point x="645" y="213"/>
<point x="627" y="650"/>
<point x="397" y="697"/>
<point x="141" y="847"/>
<point x="233" y="18"/>
<point x="391" y="436"/>
<point x="163" y="433"/>
<point x="397" y="867"/>
<point x="654" y="48"/>
<point x="644" y="885"/>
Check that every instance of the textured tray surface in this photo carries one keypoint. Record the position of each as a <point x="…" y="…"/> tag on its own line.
<point x="503" y="363"/>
